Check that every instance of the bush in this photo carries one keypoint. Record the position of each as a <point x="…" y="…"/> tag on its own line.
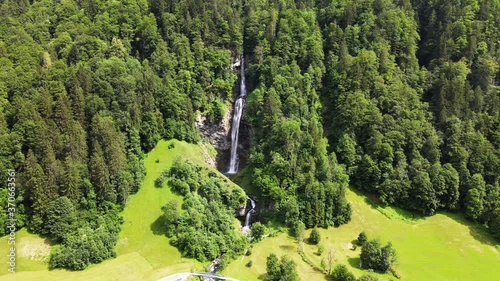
<point x="297" y="229"/>
<point x="320" y="250"/>
<point x="373" y="256"/>
<point x="367" y="278"/>
<point x="341" y="273"/>
<point x="249" y="264"/>
<point x="179" y="186"/>
<point x="314" y="238"/>
<point x="257" y="231"/>
<point x="362" y="238"/>
<point x="283" y="269"/>
<point x="159" y="181"/>
<point x="171" y="145"/>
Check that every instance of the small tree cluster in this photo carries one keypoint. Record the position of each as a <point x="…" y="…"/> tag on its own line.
<point x="161" y="179"/>
<point x="281" y="270"/>
<point x="297" y="229"/>
<point x="377" y="258"/>
<point x="257" y="231"/>
<point x="205" y="229"/>
<point x="314" y="237"/>
<point x="362" y="238"/>
<point x="341" y="273"/>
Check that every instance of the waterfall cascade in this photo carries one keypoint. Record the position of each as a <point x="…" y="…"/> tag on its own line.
<point x="238" y="110"/>
<point x="246" y="226"/>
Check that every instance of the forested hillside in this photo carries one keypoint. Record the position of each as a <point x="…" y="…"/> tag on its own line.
<point x="86" y="87"/>
<point x="397" y="98"/>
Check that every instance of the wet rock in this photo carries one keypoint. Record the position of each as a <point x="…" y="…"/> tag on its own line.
<point x="216" y="134"/>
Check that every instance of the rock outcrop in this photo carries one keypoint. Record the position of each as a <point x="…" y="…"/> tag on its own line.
<point x="216" y="134"/>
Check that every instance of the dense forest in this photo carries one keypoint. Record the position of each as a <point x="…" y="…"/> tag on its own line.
<point x="397" y="98"/>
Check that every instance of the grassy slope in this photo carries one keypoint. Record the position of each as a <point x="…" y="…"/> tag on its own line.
<point x="442" y="247"/>
<point x="142" y="254"/>
<point x="280" y="245"/>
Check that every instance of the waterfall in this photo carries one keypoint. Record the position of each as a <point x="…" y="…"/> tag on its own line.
<point x="246" y="226"/>
<point x="238" y="110"/>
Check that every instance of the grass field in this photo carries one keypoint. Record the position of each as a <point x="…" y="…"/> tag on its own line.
<point x="280" y="245"/>
<point x="143" y="254"/>
<point x="442" y="247"/>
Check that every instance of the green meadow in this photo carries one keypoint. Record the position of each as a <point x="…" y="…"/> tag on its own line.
<point x="442" y="247"/>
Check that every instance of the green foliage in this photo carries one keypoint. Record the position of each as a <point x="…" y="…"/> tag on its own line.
<point x="97" y="85"/>
<point x="85" y="247"/>
<point x="341" y="273"/>
<point x="280" y="270"/>
<point x="378" y="258"/>
<point x="397" y="98"/>
<point x="297" y="229"/>
<point x="362" y="238"/>
<point x="320" y="250"/>
<point x="205" y="228"/>
<point x="61" y="217"/>
<point x="494" y="223"/>
<point x="291" y="163"/>
<point x="185" y="177"/>
<point x="367" y="278"/>
<point x="314" y="237"/>
<point x="89" y="244"/>
<point x="257" y="231"/>
<point x="161" y="179"/>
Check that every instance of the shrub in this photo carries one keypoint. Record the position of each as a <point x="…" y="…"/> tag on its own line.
<point x="362" y="238"/>
<point x="159" y="181"/>
<point x="341" y="273"/>
<point x="297" y="229"/>
<point x="367" y="277"/>
<point x="257" y="231"/>
<point x="249" y="264"/>
<point x="283" y="269"/>
<point x="171" y="145"/>
<point x="320" y="250"/>
<point x="373" y="256"/>
<point x="314" y="238"/>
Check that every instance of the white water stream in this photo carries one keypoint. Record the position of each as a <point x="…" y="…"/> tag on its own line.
<point x="238" y="110"/>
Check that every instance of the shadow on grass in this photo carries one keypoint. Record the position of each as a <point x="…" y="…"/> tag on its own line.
<point x="288" y="248"/>
<point x="391" y="212"/>
<point x="47" y="240"/>
<point x="355" y="262"/>
<point x="479" y="232"/>
<point x="158" y="226"/>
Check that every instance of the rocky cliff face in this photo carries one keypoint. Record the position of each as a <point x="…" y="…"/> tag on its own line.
<point x="216" y="134"/>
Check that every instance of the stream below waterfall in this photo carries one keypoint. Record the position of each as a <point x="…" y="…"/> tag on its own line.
<point x="248" y="216"/>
